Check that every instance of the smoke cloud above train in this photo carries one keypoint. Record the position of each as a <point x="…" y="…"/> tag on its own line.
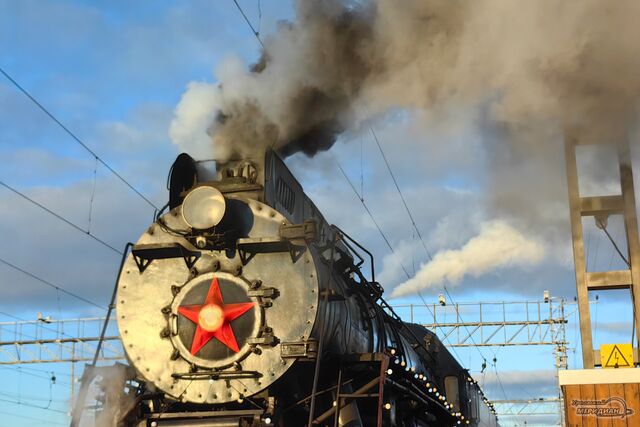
<point x="530" y="63"/>
<point x="528" y="70"/>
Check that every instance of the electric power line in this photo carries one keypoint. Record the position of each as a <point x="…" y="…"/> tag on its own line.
<point x="60" y="217"/>
<point x="20" y="396"/>
<point x="32" y="406"/>
<point x="19" y="370"/>
<point x="24" y="417"/>
<point x="75" y="137"/>
<point x="395" y="182"/>
<point x="500" y="383"/>
<point x="47" y="283"/>
<point x="451" y="347"/>
<point x="42" y="371"/>
<point x="603" y="227"/>
<point x="255" y="33"/>
<point x="366" y="208"/>
<point x="384" y="237"/>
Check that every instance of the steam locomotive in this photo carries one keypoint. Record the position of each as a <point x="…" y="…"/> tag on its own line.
<point x="242" y="306"/>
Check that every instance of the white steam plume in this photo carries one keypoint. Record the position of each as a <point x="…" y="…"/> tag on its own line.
<point x="192" y="119"/>
<point x="498" y="245"/>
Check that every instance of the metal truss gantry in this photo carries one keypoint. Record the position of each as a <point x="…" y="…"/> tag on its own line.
<point x="501" y="324"/>
<point x="58" y="341"/>
<point x="47" y="340"/>
<point x="485" y="324"/>
<point x="532" y="408"/>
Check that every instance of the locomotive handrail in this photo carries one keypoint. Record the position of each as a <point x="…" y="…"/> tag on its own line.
<point x="352" y="240"/>
<point x="380" y="301"/>
<point x="224" y="375"/>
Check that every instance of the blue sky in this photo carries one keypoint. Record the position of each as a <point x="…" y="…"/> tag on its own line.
<point x="113" y="72"/>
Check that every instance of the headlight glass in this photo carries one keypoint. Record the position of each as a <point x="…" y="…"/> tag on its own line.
<point x="203" y="207"/>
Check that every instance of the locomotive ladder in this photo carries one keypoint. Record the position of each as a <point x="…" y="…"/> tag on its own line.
<point x="600" y="207"/>
<point x="365" y="391"/>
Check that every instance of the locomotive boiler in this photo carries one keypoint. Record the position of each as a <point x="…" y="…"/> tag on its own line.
<point x="242" y="306"/>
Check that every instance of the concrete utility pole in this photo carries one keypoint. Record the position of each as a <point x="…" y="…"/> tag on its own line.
<point x="601" y="207"/>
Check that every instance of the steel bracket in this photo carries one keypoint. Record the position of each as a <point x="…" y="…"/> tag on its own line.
<point x="143" y="255"/>
<point x="306" y="231"/>
<point x="299" y="349"/>
<point x="265" y="340"/>
<point x="331" y="295"/>
<point x="271" y="293"/>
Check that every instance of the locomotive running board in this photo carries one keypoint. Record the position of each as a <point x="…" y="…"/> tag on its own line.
<point x="213" y="418"/>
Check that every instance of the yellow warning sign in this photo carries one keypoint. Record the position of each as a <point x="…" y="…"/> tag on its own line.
<point x="616" y="355"/>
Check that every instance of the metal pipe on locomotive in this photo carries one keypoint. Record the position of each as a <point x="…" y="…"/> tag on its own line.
<point x="242" y="306"/>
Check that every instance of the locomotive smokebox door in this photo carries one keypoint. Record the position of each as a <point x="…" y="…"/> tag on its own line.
<point x="214" y="319"/>
<point x="208" y="295"/>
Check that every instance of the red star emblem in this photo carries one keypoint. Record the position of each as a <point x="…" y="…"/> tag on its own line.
<point x="213" y="319"/>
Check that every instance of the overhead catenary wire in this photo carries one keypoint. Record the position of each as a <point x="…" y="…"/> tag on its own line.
<point x="43" y="371"/>
<point x="51" y="285"/>
<point x="259" y="17"/>
<point x="255" y="33"/>
<point x="453" y="349"/>
<point x="413" y="223"/>
<point x="75" y="137"/>
<point x="32" y="406"/>
<point x="384" y="237"/>
<point x="19" y="370"/>
<point x="404" y="202"/>
<point x="93" y="194"/>
<point x="375" y="223"/>
<point x="60" y="217"/>
<point x="25" y="417"/>
<point x="28" y="397"/>
<point x="603" y="226"/>
<point x="465" y="326"/>
<point x="500" y="384"/>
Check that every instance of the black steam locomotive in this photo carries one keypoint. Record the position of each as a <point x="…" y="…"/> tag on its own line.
<point x="242" y="306"/>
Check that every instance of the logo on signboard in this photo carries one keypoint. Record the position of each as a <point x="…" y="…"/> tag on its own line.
<point x="613" y="407"/>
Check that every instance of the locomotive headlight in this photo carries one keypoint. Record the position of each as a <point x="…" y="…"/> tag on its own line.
<point x="203" y="207"/>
